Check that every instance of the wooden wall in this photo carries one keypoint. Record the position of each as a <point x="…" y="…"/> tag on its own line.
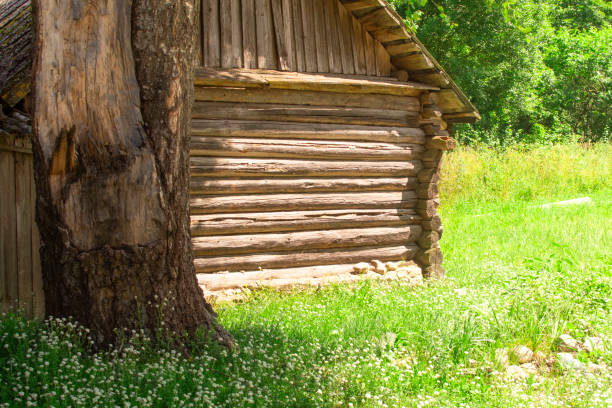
<point x="286" y="178"/>
<point x="20" y="275"/>
<point x="290" y="35"/>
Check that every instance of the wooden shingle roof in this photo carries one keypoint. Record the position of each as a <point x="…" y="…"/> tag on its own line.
<point x="15" y="50"/>
<point x="409" y="54"/>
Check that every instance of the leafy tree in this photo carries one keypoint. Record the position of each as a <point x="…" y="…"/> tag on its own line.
<point x="538" y="70"/>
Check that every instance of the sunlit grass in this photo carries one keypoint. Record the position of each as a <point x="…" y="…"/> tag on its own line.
<point x="516" y="274"/>
<point x="476" y="177"/>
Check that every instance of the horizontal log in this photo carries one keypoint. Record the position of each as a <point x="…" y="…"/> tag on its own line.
<point x="250" y="223"/>
<point x="240" y="78"/>
<point x="247" y="167"/>
<point x="238" y="280"/>
<point x="215" y="284"/>
<point x="290" y="97"/>
<point x="463" y="117"/>
<point x="302" y="202"/>
<point x="304" y="114"/>
<point x="314" y="131"/>
<point x="204" y="185"/>
<point x="304" y="240"/>
<point x="300" y="259"/>
<point x="287" y="148"/>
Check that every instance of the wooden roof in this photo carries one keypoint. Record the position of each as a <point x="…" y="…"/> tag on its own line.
<point x="409" y="54"/>
<point x="15" y="50"/>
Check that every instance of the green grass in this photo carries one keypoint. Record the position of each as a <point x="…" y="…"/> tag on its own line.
<point x="481" y="176"/>
<point x="516" y="274"/>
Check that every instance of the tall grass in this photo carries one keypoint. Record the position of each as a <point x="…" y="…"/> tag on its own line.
<point x="517" y="275"/>
<point x="485" y="175"/>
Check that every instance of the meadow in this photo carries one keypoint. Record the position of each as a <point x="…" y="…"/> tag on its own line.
<point x="517" y="274"/>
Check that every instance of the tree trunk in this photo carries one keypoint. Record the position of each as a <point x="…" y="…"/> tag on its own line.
<point x="113" y="92"/>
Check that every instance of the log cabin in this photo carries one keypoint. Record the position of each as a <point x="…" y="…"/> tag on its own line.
<point x="318" y="133"/>
<point x="319" y="128"/>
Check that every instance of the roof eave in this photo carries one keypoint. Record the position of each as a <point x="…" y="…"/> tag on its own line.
<point x="409" y="54"/>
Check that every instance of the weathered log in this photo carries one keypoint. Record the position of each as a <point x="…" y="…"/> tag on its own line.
<point x="304" y="240"/>
<point x="432" y="256"/>
<point x="429" y="175"/>
<point x="428" y="239"/>
<point x="252" y="223"/>
<point x="434" y="130"/>
<point x="312" y="131"/>
<point x="442" y="143"/>
<point x="238" y="280"/>
<point x="430" y="114"/>
<point x="427" y="191"/>
<point x="304" y="114"/>
<point x="434" y="272"/>
<point x="302" y="149"/>
<point x="401" y="75"/>
<point x="431" y="158"/>
<point x="289" y="278"/>
<point x="202" y="185"/>
<point x="433" y="224"/>
<point x="303" y="258"/>
<point x="304" y="202"/>
<point x="240" y="78"/>
<point x="290" y="97"/>
<point x="428" y="208"/>
<point x="429" y="98"/>
<point x="223" y="167"/>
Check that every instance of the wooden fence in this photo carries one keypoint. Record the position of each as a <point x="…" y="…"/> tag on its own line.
<point x="20" y="276"/>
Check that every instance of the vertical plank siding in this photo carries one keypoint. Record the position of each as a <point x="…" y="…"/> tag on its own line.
<point x="318" y="36"/>
<point x="249" y="34"/>
<point x="20" y="276"/>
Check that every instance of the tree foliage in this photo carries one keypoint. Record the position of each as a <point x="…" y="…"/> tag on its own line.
<point x="538" y="70"/>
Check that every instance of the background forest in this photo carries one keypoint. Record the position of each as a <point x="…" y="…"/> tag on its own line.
<point x="538" y="70"/>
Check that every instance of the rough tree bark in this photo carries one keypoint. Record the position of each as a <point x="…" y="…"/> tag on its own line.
<point x="112" y="104"/>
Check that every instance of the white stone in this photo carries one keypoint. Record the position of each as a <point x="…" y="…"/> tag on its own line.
<point x="568" y="362"/>
<point x="567" y="343"/>
<point x="540" y="358"/>
<point x="515" y="371"/>
<point x="529" y="368"/>
<point x="592" y="344"/>
<point x="523" y="354"/>
<point x="379" y="267"/>
<point x="393" y="266"/>
<point x="362" y="267"/>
